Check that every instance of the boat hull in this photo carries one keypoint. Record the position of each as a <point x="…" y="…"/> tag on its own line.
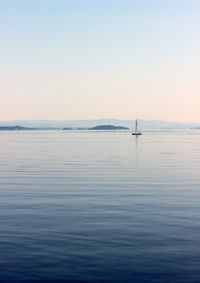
<point x="136" y="134"/>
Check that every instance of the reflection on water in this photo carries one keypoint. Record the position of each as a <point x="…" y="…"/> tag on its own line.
<point x="95" y="207"/>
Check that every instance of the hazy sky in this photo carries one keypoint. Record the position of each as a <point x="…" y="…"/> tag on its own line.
<point x="82" y="59"/>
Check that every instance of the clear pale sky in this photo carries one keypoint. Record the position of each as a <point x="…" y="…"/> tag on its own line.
<point x="85" y="59"/>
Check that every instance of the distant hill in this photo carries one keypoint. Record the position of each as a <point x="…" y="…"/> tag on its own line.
<point x="14" y="128"/>
<point x="108" y="128"/>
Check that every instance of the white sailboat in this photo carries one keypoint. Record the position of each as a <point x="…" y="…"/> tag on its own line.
<point x="137" y="132"/>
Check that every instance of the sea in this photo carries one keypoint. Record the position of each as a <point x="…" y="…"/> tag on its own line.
<point x="84" y="206"/>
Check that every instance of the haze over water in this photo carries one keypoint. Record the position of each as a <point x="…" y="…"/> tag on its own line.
<point x="93" y="207"/>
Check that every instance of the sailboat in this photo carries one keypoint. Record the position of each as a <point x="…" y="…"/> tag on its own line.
<point x="137" y="132"/>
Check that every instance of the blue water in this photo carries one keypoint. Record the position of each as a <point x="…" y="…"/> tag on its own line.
<point x="99" y="207"/>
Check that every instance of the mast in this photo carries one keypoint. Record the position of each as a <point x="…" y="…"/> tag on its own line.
<point x="136" y="125"/>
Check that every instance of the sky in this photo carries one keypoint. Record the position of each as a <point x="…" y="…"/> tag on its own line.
<point x="90" y="59"/>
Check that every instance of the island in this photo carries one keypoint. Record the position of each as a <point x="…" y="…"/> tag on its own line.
<point x="67" y="129"/>
<point x="107" y="128"/>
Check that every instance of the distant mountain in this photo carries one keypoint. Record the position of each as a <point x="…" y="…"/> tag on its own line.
<point x="108" y="128"/>
<point x="80" y="124"/>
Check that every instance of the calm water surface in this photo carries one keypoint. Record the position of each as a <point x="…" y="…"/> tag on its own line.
<point x="99" y="207"/>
